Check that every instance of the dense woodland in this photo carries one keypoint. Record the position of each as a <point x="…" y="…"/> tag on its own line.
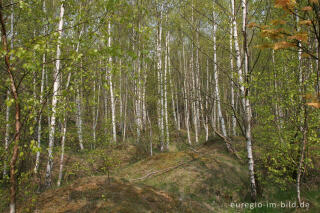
<point x="86" y="78"/>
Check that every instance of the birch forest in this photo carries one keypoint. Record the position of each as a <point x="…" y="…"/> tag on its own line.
<point x="160" y="106"/>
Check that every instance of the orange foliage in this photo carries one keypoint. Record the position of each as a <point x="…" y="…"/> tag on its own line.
<point x="273" y="33"/>
<point x="305" y="22"/>
<point x="308" y="8"/>
<point x="315" y="105"/>
<point x="252" y="24"/>
<point x="264" y="46"/>
<point x="283" y="45"/>
<point x="305" y="55"/>
<point x="277" y="22"/>
<point x="302" y="36"/>
<point x="285" y="4"/>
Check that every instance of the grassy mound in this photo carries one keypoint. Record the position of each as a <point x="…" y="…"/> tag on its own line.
<point x="96" y="194"/>
<point x="207" y="174"/>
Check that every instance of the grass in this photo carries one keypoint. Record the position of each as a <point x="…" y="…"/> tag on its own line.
<point x="209" y="179"/>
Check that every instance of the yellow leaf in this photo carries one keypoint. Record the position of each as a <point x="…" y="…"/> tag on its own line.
<point x="264" y="46"/>
<point x="300" y="37"/>
<point x="308" y="8"/>
<point x="305" y="22"/>
<point x="305" y="55"/>
<point x="252" y="24"/>
<point x="272" y="33"/>
<point x="277" y="22"/>
<point x="282" y="45"/>
<point x="285" y="4"/>
<point x="315" y="105"/>
<point x="314" y="1"/>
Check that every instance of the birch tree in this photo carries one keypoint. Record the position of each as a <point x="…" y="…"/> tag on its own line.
<point x="56" y="86"/>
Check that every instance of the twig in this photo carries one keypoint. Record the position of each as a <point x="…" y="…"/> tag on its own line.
<point x="193" y="149"/>
<point x="228" y="141"/>
<point x="160" y="172"/>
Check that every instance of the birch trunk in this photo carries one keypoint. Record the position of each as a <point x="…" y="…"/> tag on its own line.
<point x="79" y="102"/>
<point x="194" y="104"/>
<point x="216" y="78"/>
<point x="36" y="168"/>
<point x="96" y="112"/>
<point x="109" y="76"/>
<point x="207" y="104"/>
<point x="160" y="87"/>
<point x="64" y="131"/>
<point x="248" y="112"/>
<point x="56" y="86"/>
<point x="43" y="76"/>
<point x="7" y="133"/>
<point x="79" y="116"/>
<point x="186" y="107"/>
<point x="13" y="87"/>
<point x="165" y="91"/>
<point x="63" y="139"/>
<point x="237" y="50"/>
<point x="233" y="118"/>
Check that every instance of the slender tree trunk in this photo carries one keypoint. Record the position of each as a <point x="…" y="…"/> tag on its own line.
<point x="42" y="87"/>
<point x="237" y="50"/>
<point x="63" y="139"/>
<point x="186" y="104"/>
<point x="160" y="82"/>
<point x="172" y="88"/>
<point x="7" y="133"/>
<point x="165" y="91"/>
<point x="56" y="86"/>
<point x="207" y="104"/>
<point x="36" y="168"/>
<point x="248" y="112"/>
<point x="79" y="115"/>
<point x="125" y="109"/>
<point x="112" y="98"/>
<point x="95" y="111"/>
<point x="302" y="155"/>
<point x="194" y="86"/>
<point x="233" y="118"/>
<point x="15" y="94"/>
<point x="216" y="78"/>
<point x="64" y="132"/>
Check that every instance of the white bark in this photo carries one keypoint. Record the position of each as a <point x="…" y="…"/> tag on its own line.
<point x="7" y="135"/>
<point x="186" y="104"/>
<point x="138" y="95"/>
<point x="248" y="112"/>
<point x="194" y="76"/>
<point x="125" y="111"/>
<point x="112" y="98"/>
<point x="237" y="50"/>
<point x="79" y="116"/>
<point x="233" y="118"/>
<point x="56" y="86"/>
<point x="165" y="91"/>
<point x="216" y="78"/>
<point x="79" y="102"/>
<point x="95" y="111"/>
<point x="63" y="139"/>
<point x="160" y="82"/>
<point x="173" y="104"/>
<point x="64" y="131"/>
<point x="207" y="104"/>
<point x="36" y="168"/>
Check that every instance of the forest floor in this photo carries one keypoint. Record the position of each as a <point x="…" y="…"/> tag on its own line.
<point x="204" y="178"/>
